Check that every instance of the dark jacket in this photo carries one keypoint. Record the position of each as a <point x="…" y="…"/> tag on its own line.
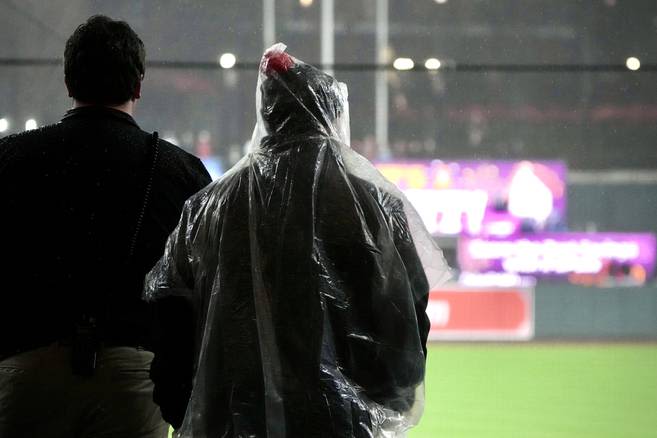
<point x="70" y="199"/>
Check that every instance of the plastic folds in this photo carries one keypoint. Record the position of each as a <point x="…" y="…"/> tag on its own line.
<point x="309" y="276"/>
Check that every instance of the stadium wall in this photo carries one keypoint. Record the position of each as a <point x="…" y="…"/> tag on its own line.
<point x="605" y="201"/>
<point x="581" y="313"/>
<point x="613" y="201"/>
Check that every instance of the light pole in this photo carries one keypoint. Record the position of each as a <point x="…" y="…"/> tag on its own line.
<point x="381" y="92"/>
<point x="328" y="35"/>
<point x="268" y="23"/>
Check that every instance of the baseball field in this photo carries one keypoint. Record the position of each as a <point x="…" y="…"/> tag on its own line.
<point x="540" y="390"/>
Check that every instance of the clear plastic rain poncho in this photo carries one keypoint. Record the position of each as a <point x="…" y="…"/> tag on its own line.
<point x="309" y="274"/>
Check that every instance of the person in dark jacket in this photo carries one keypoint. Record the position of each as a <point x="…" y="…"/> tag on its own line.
<point x="297" y="280"/>
<point x="86" y="207"/>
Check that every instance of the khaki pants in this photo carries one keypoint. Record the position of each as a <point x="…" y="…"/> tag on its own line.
<point x="40" y="398"/>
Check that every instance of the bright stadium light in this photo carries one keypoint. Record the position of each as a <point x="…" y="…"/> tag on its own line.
<point x="306" y="3"/>
<point x="403" y="64"/>
<point x="4" y="124"/>
<point x="432" y="64"/>
<point x="441" y="2"/>
<point x="30" y="124"/>
<point x="633" y="63"/>
<point x="227" y="60"/>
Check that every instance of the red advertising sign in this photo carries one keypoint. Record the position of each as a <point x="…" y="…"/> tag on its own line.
<point x="468" y="314"/>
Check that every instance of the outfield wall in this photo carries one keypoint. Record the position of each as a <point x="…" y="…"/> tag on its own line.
<point x="612" y="207"/>
<point x="574" y="312"/>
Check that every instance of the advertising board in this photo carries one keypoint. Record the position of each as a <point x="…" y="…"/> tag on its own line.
<point x="560" y="255"/>
<point x="489" y="198"/>
<point x="481" y="314"/>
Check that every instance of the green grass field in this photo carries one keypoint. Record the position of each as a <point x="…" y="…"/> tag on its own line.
<point x="535" y="390"/>
<point x="540" y="391"/>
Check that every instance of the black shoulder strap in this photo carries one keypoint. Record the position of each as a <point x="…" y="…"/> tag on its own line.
<point x="154" y="151"/>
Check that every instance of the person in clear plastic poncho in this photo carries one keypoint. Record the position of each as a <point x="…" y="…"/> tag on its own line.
<point x="306" y="275"/>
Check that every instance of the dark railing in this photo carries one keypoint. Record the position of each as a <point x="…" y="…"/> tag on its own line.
<point x="447" y="67"/>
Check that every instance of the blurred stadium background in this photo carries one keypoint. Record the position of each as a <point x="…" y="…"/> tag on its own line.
<point x="523" y="131"/>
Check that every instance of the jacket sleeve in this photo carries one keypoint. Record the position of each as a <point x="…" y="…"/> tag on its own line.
<point x="384" y="346"/>
<point x="201" y="176"/>
<point x="409" y="301"/>
<point x="417" y="278"/>
<point x="169" y="287"/>
<point x="172" y="367"/>
<point x="172" y="274"/>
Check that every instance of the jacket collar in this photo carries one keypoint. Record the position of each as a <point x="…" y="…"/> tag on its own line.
<point x="99" y="112"/>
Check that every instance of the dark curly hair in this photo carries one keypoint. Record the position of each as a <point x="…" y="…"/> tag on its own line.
<point x="104" y="62"/>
